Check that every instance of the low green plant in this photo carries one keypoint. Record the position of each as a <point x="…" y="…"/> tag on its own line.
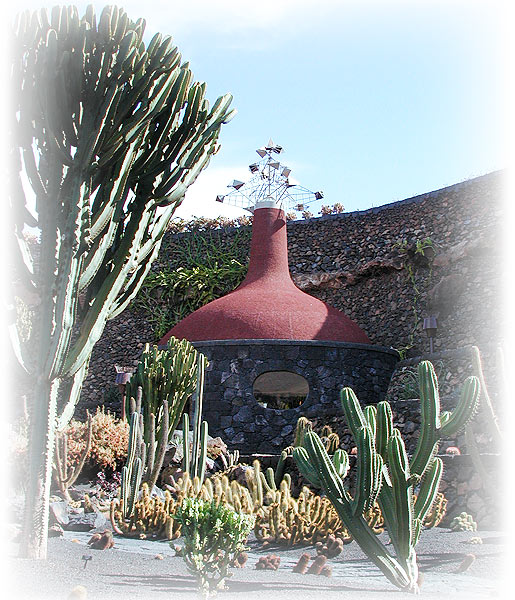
<point x="205" y="267"/>
<point x="213" y="535"/>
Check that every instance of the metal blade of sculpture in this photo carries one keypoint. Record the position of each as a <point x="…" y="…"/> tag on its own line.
<point x="109" y="134"/>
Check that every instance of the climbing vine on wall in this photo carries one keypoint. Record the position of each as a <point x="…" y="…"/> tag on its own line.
<point x="195" y="270"/>
<point x="419" y="253"/>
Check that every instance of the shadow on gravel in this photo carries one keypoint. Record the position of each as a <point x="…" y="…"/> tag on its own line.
<point x="183" y="583"/>
<point x="187" y="584"/>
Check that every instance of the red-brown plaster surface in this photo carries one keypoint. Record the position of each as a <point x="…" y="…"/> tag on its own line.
<point x="267" y="304"/>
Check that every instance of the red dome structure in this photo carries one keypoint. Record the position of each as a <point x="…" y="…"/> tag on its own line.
<point x="267" y="305"/>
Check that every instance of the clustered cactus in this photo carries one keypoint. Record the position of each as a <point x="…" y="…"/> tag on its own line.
<point x="463" y="522"/>
<point x="195" y="463"/>
<point x="384" y="473"/>
<point x="164" y="374"/>
<point x="109" y="439"/>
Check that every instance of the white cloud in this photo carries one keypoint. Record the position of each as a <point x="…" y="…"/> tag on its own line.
<point x="200" y="197"/>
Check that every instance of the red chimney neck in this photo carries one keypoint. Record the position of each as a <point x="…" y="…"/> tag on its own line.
<point x="269" y="247"/>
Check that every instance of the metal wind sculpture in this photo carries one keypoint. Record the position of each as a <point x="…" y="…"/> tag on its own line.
<point x="110" y="132"/>
<point x="271" y="180"/>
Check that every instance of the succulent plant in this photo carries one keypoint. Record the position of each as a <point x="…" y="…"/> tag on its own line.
<point x="109" y="132"/>
<point x="64" y="474"/>
<point x="214" y="535"/>
<point x="195" y="464"/>
<point x="164" y="374"/>
<point x="384" y="473"/>
<point x="463" y="522"/>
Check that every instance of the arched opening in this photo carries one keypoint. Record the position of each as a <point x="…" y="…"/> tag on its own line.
<point x="280" y="389"/>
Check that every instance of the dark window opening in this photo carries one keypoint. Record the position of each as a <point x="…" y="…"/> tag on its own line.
<point x="280" y="389"/>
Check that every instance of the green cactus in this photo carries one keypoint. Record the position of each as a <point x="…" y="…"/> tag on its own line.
<point x="164" y="374"/>
<point x="303" y="425"/>
<point x="109" y="132"/>
<point x="195" y="464"/>
<point x="144" y="458"/>
<point x="384" y="473"/>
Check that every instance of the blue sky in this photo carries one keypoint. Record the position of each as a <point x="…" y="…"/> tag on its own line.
<point x="372" y="101"/>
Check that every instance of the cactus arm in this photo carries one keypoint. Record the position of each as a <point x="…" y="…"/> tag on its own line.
<point x="185" y="443"/>
<point x="201" y="466"/>
<point x="371" y="417"/>
<point x="428" y="489"/>
<point x="430" y="418"/>
<point x="197" y="415"/>
<point x="365" y="475"/>
<point x="161" y="448"/>
<point x="279" y="470"/>
<point x="72" y="397"/>
<point x="466" y="408"/>
<point x="402" y="495"/>
<point x="352" y="410"/>
<point x="305" y="466"/>
<point x="151" y="452"/>
<point x="341" y="462"/>
<point x="384" y="428"/>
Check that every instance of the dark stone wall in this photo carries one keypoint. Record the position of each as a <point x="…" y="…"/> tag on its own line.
<point x="234" y="414"/>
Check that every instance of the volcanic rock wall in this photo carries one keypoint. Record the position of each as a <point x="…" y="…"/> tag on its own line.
<point x="366" y="264"/>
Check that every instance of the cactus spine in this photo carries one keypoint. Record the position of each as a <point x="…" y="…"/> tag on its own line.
<point x="385" y="474"/>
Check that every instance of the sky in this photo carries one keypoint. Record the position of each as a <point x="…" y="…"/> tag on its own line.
<point x="372" y="102"/>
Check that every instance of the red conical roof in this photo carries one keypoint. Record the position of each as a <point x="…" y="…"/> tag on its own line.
<point x="267" y="304"/>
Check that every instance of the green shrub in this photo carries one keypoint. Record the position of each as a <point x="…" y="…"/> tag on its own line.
<point x="213" y="536"/>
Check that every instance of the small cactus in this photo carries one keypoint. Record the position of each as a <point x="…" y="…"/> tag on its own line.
<point x="270" y="562"/>
<point x="463" y="522"/>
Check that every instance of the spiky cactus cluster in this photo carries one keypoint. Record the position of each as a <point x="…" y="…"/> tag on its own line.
<point x="164" y="374"/>
<point x="384" y="473"/>
<point x="463" y="522"/>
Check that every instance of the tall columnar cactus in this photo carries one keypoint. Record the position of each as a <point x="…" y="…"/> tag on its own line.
<point x="195" y="464"/>
<point x="144" y="456"/>
<point x="132" y="471"/>
<point x="109" y="132"/>
<point x="384" y="473"/>
<point x="168" y="374"/>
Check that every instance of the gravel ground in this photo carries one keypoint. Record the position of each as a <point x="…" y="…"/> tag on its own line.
<point x="131" y="570"/>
